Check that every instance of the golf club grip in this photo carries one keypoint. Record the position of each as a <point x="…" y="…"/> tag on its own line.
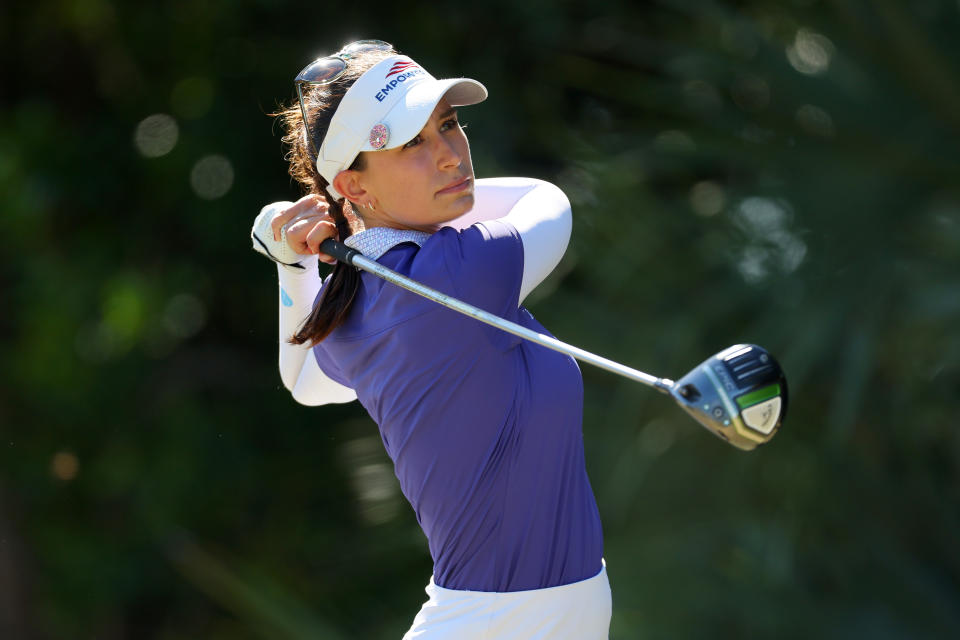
<point x="338" y="250"/>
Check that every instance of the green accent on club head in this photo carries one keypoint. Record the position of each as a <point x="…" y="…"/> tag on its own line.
<point x="752" y="398"/>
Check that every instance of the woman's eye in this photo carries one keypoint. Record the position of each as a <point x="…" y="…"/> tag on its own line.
<point x="449" y="124"/>
<point x="414" y="142"/>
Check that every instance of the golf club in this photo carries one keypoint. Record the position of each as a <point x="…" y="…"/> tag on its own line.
<point x="739" y="394"/>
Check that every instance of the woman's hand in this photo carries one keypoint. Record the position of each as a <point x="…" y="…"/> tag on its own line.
<point x="306" y="224"/>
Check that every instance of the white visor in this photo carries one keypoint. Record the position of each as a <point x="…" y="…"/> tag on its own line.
<point x="386" y="108"/>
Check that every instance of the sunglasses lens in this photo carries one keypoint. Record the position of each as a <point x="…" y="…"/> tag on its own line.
<point x="328" y="69"/>
<point x="322" y="70"/>
<point x="365" y="45"/>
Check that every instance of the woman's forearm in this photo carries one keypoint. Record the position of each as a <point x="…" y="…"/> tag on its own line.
<point x="299" y="370"/>
<point x="297" y="293"/>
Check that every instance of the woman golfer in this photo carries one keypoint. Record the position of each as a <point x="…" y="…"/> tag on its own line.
<point x="484" y="429"/>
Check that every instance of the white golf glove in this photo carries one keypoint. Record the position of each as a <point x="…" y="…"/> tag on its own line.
<point x="277" y="250"/>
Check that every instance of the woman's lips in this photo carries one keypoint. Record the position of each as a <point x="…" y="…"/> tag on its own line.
<point x="460" y="185"/>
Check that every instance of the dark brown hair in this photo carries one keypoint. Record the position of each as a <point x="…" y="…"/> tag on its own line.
<point x="321" y="103"/>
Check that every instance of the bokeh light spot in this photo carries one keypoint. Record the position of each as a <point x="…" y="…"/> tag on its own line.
<point x="156" y="135"/>
<point x="771" y="246"/>
<point x="816" y="121"/>
<point x="123" y="309"/>
<point x="810" y="52"/>
<point x="707" y="198"/>
<point x="64" y="466"/>
<point x="656" y="438"/>
<point x="212" y="177"/>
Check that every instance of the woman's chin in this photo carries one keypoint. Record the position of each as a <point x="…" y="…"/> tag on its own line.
<point x="461" y="205"/>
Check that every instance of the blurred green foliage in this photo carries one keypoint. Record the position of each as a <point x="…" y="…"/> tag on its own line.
<point x="778" y="173"/>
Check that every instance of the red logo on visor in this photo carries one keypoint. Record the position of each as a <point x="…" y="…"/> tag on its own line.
<point x="400" y="67"/>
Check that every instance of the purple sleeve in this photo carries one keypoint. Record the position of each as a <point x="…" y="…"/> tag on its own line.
<point x="485" y="266"/>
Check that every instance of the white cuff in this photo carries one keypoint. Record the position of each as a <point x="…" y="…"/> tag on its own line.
<point x="261" y="235"/>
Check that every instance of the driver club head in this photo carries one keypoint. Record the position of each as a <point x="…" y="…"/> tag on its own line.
<point x="740" y="394"/>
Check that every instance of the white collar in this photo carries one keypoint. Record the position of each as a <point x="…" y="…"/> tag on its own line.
<point x="376" y="241"/>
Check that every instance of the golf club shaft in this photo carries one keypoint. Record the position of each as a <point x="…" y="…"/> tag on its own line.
<point x="353" y="257"/>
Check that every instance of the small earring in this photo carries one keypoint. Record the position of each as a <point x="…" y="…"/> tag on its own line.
<point x="370" y="206"/>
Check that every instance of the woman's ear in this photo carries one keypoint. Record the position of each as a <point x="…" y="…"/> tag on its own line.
<point x="347" y="182"/>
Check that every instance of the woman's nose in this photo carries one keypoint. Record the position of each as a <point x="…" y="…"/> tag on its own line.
<point x="447" y="154"/>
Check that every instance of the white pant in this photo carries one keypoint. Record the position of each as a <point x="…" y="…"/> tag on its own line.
<point x="577" y="611"/>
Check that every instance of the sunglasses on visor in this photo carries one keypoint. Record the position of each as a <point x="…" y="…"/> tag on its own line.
<point x="326" y="70"/>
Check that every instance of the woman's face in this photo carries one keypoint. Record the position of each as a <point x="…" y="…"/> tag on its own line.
<point x="422" y="184"/>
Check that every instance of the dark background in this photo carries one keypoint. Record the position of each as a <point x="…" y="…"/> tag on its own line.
<point x="779" y="173"/>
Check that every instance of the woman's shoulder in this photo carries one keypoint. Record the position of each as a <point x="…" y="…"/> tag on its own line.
<point x="481" y="241"/>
